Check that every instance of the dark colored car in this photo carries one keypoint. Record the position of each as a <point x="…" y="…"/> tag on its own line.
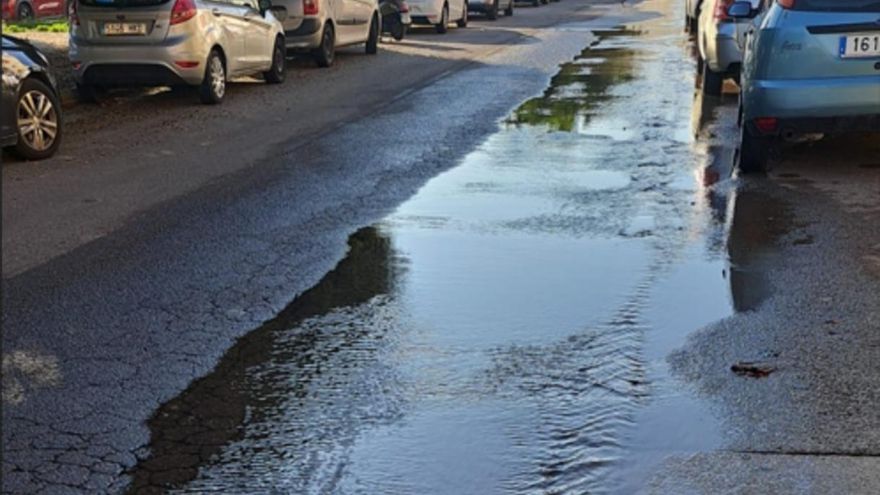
<point x="30" y="112"/>
<point x="25" y="10"/>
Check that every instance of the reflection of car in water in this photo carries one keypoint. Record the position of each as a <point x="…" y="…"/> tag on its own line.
<point x="810" y="66"/>
<point x="757" y="220"/>
<point x="30" y="112"/>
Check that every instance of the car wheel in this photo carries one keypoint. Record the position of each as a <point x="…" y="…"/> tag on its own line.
<point x="463" y="22"/>
<point x="492" y="13"/>
<point x="213" y="87"/>
<point x="753" y="152"/>
<point x="373" y="40"/>
<point x="275" y="74"/>
<point x="712" y="81"/>
<point x="443" y="25"/>
<point x="326" y="53"/>
<point x="87" y="93"/>
<point x="24" y="12"/>
<point x="398" y="30"/>
<point x="509" y="10"/>
<point x="38" y="113"/>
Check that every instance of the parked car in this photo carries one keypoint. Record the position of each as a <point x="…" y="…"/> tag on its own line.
<point x="26" y="10"/>
<point x="491" y="7"/>
<point x="439" y="13"/>
<point x="175" y="42"/>
<point x="30" y="111"/>
<point x="810" y="66"/>
<point x="719" y="47"/>
<point x="691" y="14"/>
<point x="319" y="27"/>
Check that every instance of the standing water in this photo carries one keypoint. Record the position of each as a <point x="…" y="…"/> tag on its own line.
<point x="505" y="330"/>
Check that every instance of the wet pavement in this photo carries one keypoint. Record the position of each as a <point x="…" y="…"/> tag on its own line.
<point x="582" y="301"/>
<point x="503" y="330"/>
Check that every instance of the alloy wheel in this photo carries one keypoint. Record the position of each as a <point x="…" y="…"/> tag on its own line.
<point x="37" y="120"/>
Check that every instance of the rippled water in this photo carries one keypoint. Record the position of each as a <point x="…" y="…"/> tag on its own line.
<point x="504" y="330"/>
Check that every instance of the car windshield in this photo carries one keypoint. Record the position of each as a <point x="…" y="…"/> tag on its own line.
<point x="122" y="3"/>
<point x="838" y="5"/>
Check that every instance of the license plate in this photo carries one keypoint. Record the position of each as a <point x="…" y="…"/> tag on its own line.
<point x="860" y="46"/>
<point x="125" y="29"/>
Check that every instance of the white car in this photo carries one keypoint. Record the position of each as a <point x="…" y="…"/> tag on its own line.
<point x="319" y="27"/>
<point x="439" y="13"/>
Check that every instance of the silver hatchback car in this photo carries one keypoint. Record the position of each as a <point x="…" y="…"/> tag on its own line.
<point x="174" y="42"/>
<point x="719" y="40"/>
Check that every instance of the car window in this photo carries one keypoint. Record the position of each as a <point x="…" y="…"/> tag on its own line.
<point x="838" y="5"/>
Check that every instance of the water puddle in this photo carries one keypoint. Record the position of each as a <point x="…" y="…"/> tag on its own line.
<point x="506" y="329"/>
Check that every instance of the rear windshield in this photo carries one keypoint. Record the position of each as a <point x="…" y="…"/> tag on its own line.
<point x="838" y="5"/>
<point x="122" y="3"/>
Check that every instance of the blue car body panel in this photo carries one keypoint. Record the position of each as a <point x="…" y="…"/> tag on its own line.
<point x="793" y="67"/>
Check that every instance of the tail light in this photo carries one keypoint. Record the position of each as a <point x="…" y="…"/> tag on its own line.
<point x="786" y="4"/>
<point x="720" y="13"/>
<point x="182" y="11"/>
<point x="766" y="125"/>
<point x="310" y="7"/>
<point x="404" y="7"/>
<point x="72" y="15"/>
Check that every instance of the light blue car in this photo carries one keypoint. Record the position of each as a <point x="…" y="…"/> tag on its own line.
<point x="809" y="66"/>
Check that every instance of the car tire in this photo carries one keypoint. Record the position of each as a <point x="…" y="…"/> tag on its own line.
<point x="213" y="87"/>
<point x="372" y="45"/>
<point x="509" y="10"/>
<point x="24" y="12"/>
<point x="87" y="93"/>
<point x="713" y="81"/>
<point x="39" y="105"/>
<point x="325" y="54"/>
<point x="276" y="73"/>
<point x="398" y="31"/>
<point x="753" y="152"/>
<point x="492" y="13"/>
<point x="463" y="22"/>
<point x="443" y="26"/>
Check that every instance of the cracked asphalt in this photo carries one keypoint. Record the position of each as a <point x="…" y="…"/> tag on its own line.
<point x="537" y="289"/>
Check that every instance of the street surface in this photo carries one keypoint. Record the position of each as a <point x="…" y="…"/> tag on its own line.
<point x="510" y="259"/>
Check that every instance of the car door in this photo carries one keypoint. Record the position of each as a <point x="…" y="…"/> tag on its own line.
<point x="229" y="18"/>
<point x="365" y="9"/>
<point x="259" y="39"/>
<point x="13" y="73"/>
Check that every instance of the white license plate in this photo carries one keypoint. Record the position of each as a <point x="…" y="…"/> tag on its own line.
<point x="860" y="45"/>
<point x="125" y="29"/>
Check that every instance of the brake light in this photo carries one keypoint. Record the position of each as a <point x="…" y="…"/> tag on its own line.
<point x="182" y="11"/>
<point x="404" y="7"/>
<point x="720" y="13"/>
<point x="72" y="16"/>
<point x="786" y="4"/>
<point x="310" y="7"/>
<point x="766" y="125"/>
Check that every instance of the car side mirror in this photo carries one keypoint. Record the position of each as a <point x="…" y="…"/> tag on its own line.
<point x="278" y="11"/>
<point x="741" y="10"/>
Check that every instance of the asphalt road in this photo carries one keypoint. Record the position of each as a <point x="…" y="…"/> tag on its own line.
<point x="164" y="230"/>
<point x="168" y="237"/>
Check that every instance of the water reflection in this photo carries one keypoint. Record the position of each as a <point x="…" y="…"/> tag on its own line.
<point x="191" y="430"/>
<point x="580" y="87"/>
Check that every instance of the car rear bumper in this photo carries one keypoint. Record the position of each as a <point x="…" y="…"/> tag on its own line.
<point x="481" y="5"/>
<point x="307" y="36"/>
<point x="827" y="98"/>
<point x="721" y="51"/>
<point x="138" y="65"/>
